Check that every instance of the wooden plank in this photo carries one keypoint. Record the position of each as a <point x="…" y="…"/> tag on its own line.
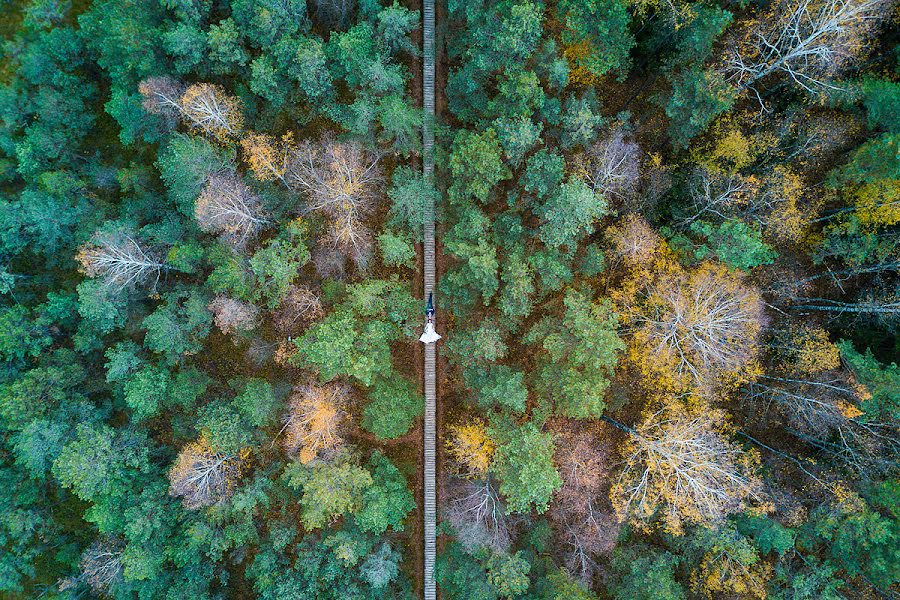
<point x="430" y="505"/>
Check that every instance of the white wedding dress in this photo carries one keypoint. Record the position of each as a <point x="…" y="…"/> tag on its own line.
<point x="430" y="336"/>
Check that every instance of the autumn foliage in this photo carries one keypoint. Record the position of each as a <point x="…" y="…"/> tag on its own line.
<point x="315" y="419"/>
<point x="203" y="476"/>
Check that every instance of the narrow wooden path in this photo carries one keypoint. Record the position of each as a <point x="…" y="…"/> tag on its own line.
<point x="430" y="504"/>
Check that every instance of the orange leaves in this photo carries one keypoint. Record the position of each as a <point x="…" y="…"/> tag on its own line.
<point x="315" y="418"/>
<point x="472" y="448"/>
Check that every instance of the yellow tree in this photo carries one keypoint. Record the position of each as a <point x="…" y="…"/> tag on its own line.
<point x="203" y="476"/>
<point x="208" y="109"/>
<point x="693" y="328"/>
<point x="267" y="156"/>
<point x="314" y="421"/>
<point x="475" y="509"/>
<point x="680" y="466"/>
<point x="471" y="448"/>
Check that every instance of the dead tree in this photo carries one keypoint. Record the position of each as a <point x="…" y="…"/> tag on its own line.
<point x="299" y="308"/>
<point x="203" y="476"/>
<point x="268" y="157"/>
<point x="613" y="166"/>
<point x="101" y="565"/>
<point x="476" y="512"/>
<point x="233" y="315"/>
<point x="809" y="41"/>
<point x="634" y="241"/>
<point x="315" y="419"/>
<point x="161" y="96"/>
<point x="678" y="466"/>
<point x="585" y="524"/>
<point x="718" y="195"/>
<point x="208" y="109"/>
<point x="227" y="206"/>
<point x="119" y="260"/>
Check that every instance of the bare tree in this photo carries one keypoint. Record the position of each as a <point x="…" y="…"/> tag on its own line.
<point x="719" y="195"/>
<point x="299" y="308"/>
<point x="315" y="419"/>
<point x="613" y="165"/>
<point x="678" y="466"/>
<point x="476" y="512"/>
<point x="227" y="206"/>
<point x="233" y="315"/>
<point x="162" y="97"/>
<point x="207" y="108"/>
<point x="634" y="240"/>
<point x="810" y="41"/>
<point x="585" y="524"/>
<point x="343" y="181"/>
<point x="101" y="565"/>
<point x="699" y="324"/>
<point x="333" y="14"/>
<point x="202" y="476"/>
<point x="119" y="260"/>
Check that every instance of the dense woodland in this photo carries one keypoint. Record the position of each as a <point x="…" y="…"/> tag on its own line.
<point x="669" y="248"/>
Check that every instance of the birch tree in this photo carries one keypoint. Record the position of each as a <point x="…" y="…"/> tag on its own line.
<point x="314" y="420"/>
<point x="228" y="207"/>
<point x="162" y="96"/>
<point x="119" y="260"/>
<point x="680" y="467"/>
<point x="203" y="476"/>
<point x="613" y="166"/>
<point x="809" y="41"/>
<point x="208" y="109"/>
<point x="101" y="565"/>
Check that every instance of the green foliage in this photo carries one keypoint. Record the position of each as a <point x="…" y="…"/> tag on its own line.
<point x="698" y="97"/>
<point x="277" y="264"/>
<point x="544" y="171"/>
<point x="354" y="339"/>
<point x="482" y="344"/>
<point x="388" y="501"/>
<point x="733" y="242"/>
<point x="643" y="573"/>
<point x="508" y="573"/>
<point x="394" y="405"/>
<point x="408" y="193"/>
<point x="476" y="165"/>
<point x="178" y="327"/>
<point x="459" y="575"/>
<point x="396" y="250"/>
<point x="601" y="26"/>
<point x="569" y="214"/>
<point x="329" y="489"/>
<point x="524" y="463"/>
<point x="882" y="402"/>
<point x="185" y="162"/>
<point x="882" y="102"/>
<point x="498" y="386"/>
<point x="255" y="402"/>
<point x="580" y="352"/>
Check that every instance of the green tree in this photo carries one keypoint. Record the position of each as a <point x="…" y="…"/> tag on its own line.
<point x="329" y="489"/>
<point x="600" y="28"/>
<point x="508" y="573"/>
<point x="178" y="328"/>
<point x="570" y="213"/>
<point x="476" y="165"/>
<point x="642" y="573"/>
<point x="524" y="463"/>
<point x="394" y="405"/>
<point x="388" y="501"/>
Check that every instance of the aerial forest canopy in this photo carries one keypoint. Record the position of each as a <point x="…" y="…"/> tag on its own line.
<point x="669" y="242"/>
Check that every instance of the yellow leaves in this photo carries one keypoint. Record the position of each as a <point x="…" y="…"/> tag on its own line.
<point x="574" y="55"/>
<point x="207" y="108"/>
<point x="471" y="448"/>
<point x="878" y="204"/>
<point x="812" y="352"/>
<point x="314" y="421"/>
<point x="849" y="410"/>
<point x="267" y="156"/>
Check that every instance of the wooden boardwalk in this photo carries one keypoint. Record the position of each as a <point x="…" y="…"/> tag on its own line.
<point x="430" y="504"/>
